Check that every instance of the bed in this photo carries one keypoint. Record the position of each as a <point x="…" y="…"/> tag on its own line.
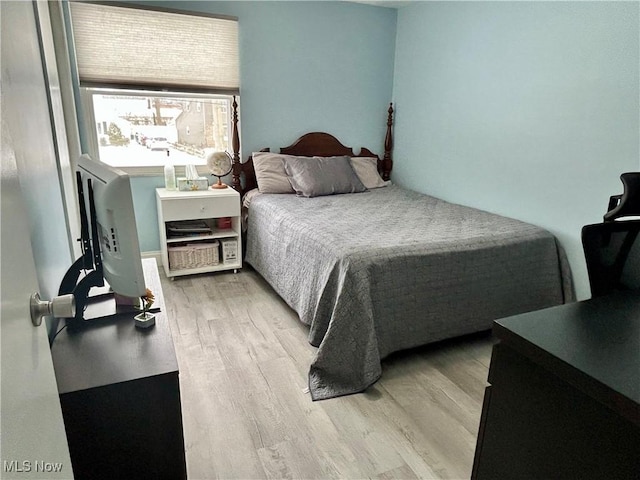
<point x="387" y="269"/>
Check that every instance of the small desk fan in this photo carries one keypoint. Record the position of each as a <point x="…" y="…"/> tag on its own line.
<point x="220" y="165"/>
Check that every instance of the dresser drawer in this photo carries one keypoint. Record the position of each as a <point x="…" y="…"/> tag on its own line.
<point x="181" y="208"/>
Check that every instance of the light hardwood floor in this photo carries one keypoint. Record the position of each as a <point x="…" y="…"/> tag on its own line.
<point x="243" y="357"/>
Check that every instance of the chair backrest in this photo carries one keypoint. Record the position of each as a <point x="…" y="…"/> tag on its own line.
<point x="627" y="204"/>
<point x="612" y="252"/>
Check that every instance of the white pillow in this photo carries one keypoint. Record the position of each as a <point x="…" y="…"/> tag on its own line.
<point x="367" y="170"/>
<point x="270" y="173"/>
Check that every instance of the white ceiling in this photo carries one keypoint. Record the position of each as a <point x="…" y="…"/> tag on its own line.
<point x="384" y="3"/>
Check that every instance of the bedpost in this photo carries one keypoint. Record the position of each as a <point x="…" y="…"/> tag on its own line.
<point x="387" y="162"/>
<point x="235" y="143"/>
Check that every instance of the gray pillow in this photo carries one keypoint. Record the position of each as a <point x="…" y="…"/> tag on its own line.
<point x="317" y="176"/>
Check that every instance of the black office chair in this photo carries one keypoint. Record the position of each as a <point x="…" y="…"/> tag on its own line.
<point x="627" y="204"/>
<point x="612" y="252"/>
<point x="612" y="248"/>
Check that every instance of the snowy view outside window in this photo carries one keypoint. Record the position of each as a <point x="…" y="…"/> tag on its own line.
<point x="141" y="130"/>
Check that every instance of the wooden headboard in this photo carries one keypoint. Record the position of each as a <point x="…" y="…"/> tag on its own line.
<point x="310" y="144"/>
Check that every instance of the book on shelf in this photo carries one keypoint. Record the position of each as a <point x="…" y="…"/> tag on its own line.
<point x="188" y="227"/>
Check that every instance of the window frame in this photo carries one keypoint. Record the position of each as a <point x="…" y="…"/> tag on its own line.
<point x="92" y="137"/>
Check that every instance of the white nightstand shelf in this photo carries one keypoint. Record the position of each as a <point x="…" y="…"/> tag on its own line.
<point x="207" y="205"/>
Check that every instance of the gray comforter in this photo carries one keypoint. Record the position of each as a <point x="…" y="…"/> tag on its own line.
<point x="389" y="269"/>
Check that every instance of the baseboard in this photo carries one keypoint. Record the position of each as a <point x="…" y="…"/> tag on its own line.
<point x="156" y="255"/>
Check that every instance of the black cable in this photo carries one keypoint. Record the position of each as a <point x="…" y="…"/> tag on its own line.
<point x="56" y="334"/>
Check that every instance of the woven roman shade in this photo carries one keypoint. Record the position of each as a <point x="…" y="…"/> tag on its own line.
<point x="122" y="46"/>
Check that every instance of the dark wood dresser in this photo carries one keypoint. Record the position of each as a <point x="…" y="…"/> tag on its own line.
<point x="120" y="396"/>
<point x="564" y="394"/>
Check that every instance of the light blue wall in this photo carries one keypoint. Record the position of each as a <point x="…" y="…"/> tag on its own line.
<point x="143" y="190"/>
<point x="304" y="66"/>
<point x="527" y="109"/>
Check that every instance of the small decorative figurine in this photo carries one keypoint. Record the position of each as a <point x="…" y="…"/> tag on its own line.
<point x="146" y="319"/>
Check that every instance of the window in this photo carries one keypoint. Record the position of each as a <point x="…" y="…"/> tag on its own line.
<point x="156" y="85"/>
<point x="147" y="129"/>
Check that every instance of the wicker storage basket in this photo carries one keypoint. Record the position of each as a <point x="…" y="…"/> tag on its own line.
<point x="195" y="255"/>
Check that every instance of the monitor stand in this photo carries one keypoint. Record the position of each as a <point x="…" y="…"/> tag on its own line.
<point x="103" y="307"/>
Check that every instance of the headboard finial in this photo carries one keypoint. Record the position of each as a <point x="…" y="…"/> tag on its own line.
<point x="387" y="162"/>
<point x="235" y="143"/>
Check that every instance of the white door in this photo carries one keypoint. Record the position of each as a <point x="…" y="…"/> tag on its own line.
<point x="34" y="443"/>
<point x="33" y="439"/>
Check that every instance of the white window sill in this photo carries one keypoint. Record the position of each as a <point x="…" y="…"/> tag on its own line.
<point x="137" y="160"/>
<point x="158" y="171"/>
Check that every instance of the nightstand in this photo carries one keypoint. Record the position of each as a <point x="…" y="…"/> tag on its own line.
<point x="200" y="231"/>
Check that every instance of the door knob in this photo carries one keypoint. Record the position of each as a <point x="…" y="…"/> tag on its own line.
<point x="63" y="306"/>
